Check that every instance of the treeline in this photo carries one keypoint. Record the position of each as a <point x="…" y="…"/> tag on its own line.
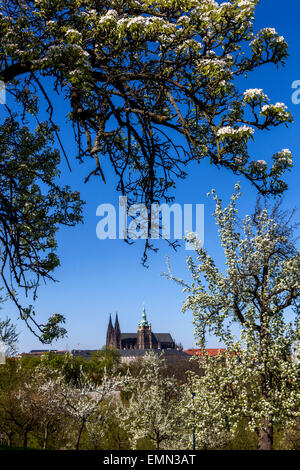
<point x="65" y="402"/>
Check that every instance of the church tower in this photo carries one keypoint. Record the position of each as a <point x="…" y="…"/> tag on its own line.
<point x="110" y="333"/>
<point x="118" y="344"/>
<point x="144" y="333"/>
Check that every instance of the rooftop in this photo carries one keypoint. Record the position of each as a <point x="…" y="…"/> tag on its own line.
<point x="210" y="351"/>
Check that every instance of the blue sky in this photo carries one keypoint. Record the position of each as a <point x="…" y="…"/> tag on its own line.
<point x="97" y="277"/>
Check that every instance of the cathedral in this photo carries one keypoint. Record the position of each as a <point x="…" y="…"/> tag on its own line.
<point x="144" y="338"/>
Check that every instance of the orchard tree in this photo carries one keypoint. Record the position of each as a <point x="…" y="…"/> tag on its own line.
<point x="105" y="430"/>
<point x="32" y="208"/>
<point x="262" y="280"/>
<point x="22" y="409"/>
<point x="86" y="401"/>
<point x="18" y="413"/>
<point x="8" y="429"/>
<point x="30" y="402"/>
<point x="150" y="84"/>
<point x="51" y="412"/>
<point x="238" y="390"/>
<point x="205" y="417"/>
<point x="152" y="410"/>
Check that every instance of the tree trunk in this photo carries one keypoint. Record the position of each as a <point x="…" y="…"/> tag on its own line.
<point x="9" y="440"/>
<point x="46" y="436"/>
<point x="79" y="435"/>
<point x="265" y="440"/>
<point x="157" y="444"/>
<point x="25" y="439"/>
<point x="118" y="440"/>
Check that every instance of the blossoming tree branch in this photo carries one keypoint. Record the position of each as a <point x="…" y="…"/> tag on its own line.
<point x="137" y="73"/>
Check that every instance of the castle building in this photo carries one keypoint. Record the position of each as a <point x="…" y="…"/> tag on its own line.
<point x="132" y="346"/>
<point x="143" y="339"/>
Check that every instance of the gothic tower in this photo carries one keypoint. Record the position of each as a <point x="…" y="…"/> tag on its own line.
<point x="144" y="334"/>
<point x="110" y="333"/>
<point x="117" y="334"/>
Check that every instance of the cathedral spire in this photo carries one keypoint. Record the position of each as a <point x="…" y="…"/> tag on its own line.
<point x="117" y="332"/>
<point x="110" y="332"/>
<point x="144" y="321"/>
<point x="117" y="325"/>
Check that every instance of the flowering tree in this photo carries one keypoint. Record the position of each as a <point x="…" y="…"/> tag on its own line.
<point x="205" y="418"/>
<point x="152" y="411"/>
<point x="238" y="389"/>
<point x="52" y="413"/>
<point x="85" y="402"/>
<point x="261" y="282"/>
<point x="136" y="72"/>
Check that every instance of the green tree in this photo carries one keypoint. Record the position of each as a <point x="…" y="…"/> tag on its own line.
<point x="19" y="408"/>
<point x="32" y="208"/>
<point x="9" y="336"/>
<point x="106" y="360"/>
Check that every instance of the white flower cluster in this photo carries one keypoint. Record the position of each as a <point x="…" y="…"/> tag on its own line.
<point x="209" y="3"/>
<point x="73" y="32"/>
<point x="190" y="44"/>
<point x="280" y="39"/>
<point x="256" y="94"/>
<point x="268" y="31"/>
<point x="193" y="240"/>
<point x="226" y="5"/>
<point x="213" y="62"/>
<point x="183" y="20"/>
<point x="111" y="15"/>
<point x="271" y="35"/>
<point x="145" y="22"/>
<point x="283" y="160"/>
<point x="230" y="132"/>
<point x="72" y="48"/>
<point x="277" y="110"/>
<point x="285" y="153"/>
<point x="205" y="10"/>
<point x="72" y="35"/>
<point x="246" y="4"/>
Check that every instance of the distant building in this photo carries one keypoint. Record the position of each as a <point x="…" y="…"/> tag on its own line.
<point x="172" y="356"/>
<point x="143" y="339"/>
<point x="41" y="352"/>
<point x="131" y="346"/>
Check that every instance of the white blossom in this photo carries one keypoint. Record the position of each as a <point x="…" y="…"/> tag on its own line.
<point x="255" y="94"/>
<point x="230" y="132"/>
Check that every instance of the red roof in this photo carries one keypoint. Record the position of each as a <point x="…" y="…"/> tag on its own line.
<point x="210" y="352"/>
